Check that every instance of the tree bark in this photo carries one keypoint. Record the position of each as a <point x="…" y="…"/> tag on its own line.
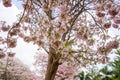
<point x="53" y="63"/>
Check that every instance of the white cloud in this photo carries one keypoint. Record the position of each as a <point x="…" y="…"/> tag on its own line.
<point x="8" y="14"/>
<point x="25" y="52"/>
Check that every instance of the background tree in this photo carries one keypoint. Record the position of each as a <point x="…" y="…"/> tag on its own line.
<point x="66" y="71"/>
<point x="68" y="30"/>
<point x="14" y="69"/>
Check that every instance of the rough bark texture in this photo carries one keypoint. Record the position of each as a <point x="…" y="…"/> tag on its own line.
<point x="53" y="63"/>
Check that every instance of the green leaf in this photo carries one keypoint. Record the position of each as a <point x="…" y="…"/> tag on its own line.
<point x="66" y="44"/>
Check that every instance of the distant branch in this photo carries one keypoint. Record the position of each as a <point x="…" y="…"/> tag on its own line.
<point x="96" y="21"/>
<point x="19" y="20"/>
<point x="45" y="50"/>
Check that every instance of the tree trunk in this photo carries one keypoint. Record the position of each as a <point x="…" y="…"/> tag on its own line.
<point x="53" y="63"/>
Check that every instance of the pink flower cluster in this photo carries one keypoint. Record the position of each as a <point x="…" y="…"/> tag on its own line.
<point x="12" y="43"/>
<point x="2" y="55"/>
<point x="113" y="44"/>
<point x="109" y="46"/>
<point x="66" y="71"/>
<point x="7" y="3"/>
<point x="106" y="10"/>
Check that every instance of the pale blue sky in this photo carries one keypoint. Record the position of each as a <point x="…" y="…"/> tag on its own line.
<point x="17" y="3"/>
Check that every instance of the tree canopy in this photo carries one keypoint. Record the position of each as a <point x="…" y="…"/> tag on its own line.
<point x="70" y="31"/>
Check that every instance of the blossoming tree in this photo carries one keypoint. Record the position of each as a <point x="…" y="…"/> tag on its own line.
<point x="68" y="30"/>
<point x="14" y="69"/>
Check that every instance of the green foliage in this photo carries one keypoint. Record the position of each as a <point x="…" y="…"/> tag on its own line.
<point x="105" y="73"/>
<point x="116" y="66"/>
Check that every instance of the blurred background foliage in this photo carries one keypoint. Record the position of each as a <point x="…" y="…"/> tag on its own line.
<point x="110" y="71"/>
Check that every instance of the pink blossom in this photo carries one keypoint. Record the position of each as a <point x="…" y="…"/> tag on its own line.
<point x="27" y="19"/>
<point x="98" y="7"/>
<point x="65" y="71"/>
<point x="113" y="44"/>
<point x="114" y="25"/>
<point x="39" y="43"/>
<point x="58" y="35"/>
<point x="117" y="20"/>
<point x="45" y="7"/>
<point x="62" y="30"/>
<point x="2" y="55"/>
<point x="78" y="36"/>
<point x="90" y="42"/>
<point x="46" y="23"/>
<point x="84" y="36"/>
<point x="21" y="35"/>
<point x="5" y="28"/>
<point x="11" y="54"/>
<point x="7" y="3"/>
<point x="100" y="21"/>
<point x="12" y="43"/>
<point x="112" y="11"/>
<point x="34" y="38"/>
<point x="56" y="44"/>
<point x="100" y="14"/>
<point x="17" y="25"/>
<point x="27" y="39"/>
<point x="14" y="32"/>
<point x="63" y="18"/>
<point x="54" y="4"/>
<point x="108" y="5"/>
<point x="103" y="50"/>
<point x="107" y="25"/>
<point x="17" y="70"/>
<point x="63" y="9"/>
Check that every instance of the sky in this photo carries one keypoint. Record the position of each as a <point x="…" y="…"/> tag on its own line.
<point x="24" y="51"/>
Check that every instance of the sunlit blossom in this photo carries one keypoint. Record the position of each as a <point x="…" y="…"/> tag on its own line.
<point x="113" y="12"/>
<point x="27" y="39"/>
<point x="107" y="25"/>
<point x="12" y="43"/>
<point x="5" y="28"/>
<point x="100" y="14"/>
<point x="114" y="25"/>
<point x="117" y="20"/>
<point x="11" y="54"/>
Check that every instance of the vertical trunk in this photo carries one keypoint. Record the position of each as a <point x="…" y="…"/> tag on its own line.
<point x="52" y="67"/>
